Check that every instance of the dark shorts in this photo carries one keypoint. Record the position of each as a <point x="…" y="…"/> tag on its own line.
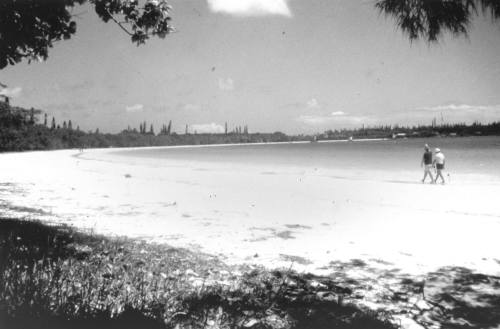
<point x="439" y="166"/>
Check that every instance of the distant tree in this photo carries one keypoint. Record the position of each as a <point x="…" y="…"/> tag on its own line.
<point x="169" y="127"/>
<point x="186" y="131"/>
<point x="28" y="28"/>
<point x="151" y="130"/>
<point x="53" y="125"/>
<point x="70" y="125"/>
<point x="32" y="116"/>
<point x="45" y="119"/>
<point x="97" y="131"/>
<point x="77" y="128"/>
<point x="428" y="19"/>
<point x="64" y="125"/>
<point x="58" y="127"/>
<point x="225" y="128"/>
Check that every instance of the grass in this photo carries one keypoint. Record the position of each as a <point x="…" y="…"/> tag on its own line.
<point x="55" y="277"/>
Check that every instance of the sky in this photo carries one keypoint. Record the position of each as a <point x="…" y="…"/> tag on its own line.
<point x="296" y="66"/>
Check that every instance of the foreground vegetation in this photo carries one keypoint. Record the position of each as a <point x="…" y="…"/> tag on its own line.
<point x="59" y="278"/>
<point x="54" y="277"/>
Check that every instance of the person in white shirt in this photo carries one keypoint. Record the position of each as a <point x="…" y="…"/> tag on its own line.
<point x="439" y="161"/>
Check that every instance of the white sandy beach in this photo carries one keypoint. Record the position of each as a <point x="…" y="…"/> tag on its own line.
<point x="246" y="213"/>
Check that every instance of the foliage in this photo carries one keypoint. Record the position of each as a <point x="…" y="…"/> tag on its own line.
<point x="56" y="273"/>
<point x="62" y="278"/>
<point x="428" y="19"/>
<point x="457" y="129"/>
<point x="20" y="131"/>
<point x="28" y="28"/>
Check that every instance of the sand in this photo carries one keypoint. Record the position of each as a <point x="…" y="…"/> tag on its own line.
<point x="248" y="213"/>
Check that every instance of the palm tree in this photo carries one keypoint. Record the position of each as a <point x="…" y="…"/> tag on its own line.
<point x="169" y="127"/>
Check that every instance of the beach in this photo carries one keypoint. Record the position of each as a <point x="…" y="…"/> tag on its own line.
<point x="298" y="216"/>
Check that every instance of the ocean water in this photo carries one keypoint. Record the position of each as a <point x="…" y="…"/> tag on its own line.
<point x="464" y="155"/>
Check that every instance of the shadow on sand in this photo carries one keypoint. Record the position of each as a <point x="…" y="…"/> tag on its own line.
<point x="53" y="277"/>
<point x="450" y="297"/>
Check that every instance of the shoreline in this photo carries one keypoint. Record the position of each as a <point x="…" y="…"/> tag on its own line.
<point x="325" y="225"/>
<point x="238" y="214"/>
<point x="125" y="148"/>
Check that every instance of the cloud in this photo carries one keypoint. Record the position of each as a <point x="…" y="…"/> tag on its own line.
<point x="10" y="92"/>
<point x="338" y="118"/>
<point x="204" y="128"/>
<point x="135" y="108"/>
<point x="226" y="84"/>
<point x="460" y="108"/>
<point x="312" y="103"/>
<point x="191" y="107"/>
<point x="452" y="113"/>
<point x="250" y="7"/>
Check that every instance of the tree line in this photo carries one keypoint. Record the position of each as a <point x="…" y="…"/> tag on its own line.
<point x="21" y="131"/>
<point x="432" y="130"/>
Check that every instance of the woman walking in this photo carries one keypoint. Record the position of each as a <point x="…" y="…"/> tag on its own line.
<point x="439" y="161"/>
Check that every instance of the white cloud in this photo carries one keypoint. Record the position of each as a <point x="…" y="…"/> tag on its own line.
<point x="451" y="113"/>
<point x="336" y="119"/>
<point x="250" y="7"/>
<point x="226" y="84"/>
<point x="460" y="108"/>
<point x="312" y="103"/>
<point x="203" y="128"/>
<point x="313" y="119"/>
<point x="11" y="92"/>
<point x="135" y="108"/>
<point x="191" y="107"/>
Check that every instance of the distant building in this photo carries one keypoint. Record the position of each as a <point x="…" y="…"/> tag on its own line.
<point x="399" y="135"/>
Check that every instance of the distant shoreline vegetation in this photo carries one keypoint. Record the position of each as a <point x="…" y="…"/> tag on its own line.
<point x="20" y="130"/>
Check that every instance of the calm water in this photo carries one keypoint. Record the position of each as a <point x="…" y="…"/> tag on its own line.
<point x="469" y="155"/>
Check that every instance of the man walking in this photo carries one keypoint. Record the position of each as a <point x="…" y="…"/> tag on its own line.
<point x="439" y="161"/>
<point x="427" y="163"/>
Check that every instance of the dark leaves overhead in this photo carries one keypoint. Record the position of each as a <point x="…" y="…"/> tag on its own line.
<point x="28" y="28"/>
<point x="428" y="19"/>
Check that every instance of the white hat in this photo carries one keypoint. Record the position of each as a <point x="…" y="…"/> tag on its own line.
<point x="437" y="150"/>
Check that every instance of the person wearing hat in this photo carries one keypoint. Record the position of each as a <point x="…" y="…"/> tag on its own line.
<point x="439" y="161"/>
<point x="427" y="163"/>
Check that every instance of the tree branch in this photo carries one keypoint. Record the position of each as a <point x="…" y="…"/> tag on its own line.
<point x="118" y="23"/>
